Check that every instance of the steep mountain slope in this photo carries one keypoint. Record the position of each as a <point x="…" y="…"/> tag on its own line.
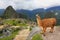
<point x="11" y="13"/>
<point x="31" y="13"/>
<point x="55" y="8"/>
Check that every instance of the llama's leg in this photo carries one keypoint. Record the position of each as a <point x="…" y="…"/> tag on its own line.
<point x="52" y="28"/>
<point x="44" y="30"/>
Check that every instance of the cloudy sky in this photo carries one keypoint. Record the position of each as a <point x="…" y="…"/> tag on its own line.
<point x="29" y="4"/>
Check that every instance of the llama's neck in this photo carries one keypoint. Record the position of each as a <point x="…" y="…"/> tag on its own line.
<point x="39" y="21"/>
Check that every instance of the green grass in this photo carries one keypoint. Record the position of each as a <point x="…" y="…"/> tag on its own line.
<point x="37" y="37"/>
<point x="15" y="22"/>
<point x="1" y="34"/>
<point x="11" y="36"/>
<point x="23" y="24"/>
<point x="15" y="32"/>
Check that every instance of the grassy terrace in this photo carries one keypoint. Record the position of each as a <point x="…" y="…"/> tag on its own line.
<point x="11" y="36"/>
<point x="14" y="23"/>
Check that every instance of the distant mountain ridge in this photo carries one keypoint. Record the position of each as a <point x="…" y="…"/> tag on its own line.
<point x="53" y="8"/>
<point x="32" y="13"/>
<point x="36" y="10"/>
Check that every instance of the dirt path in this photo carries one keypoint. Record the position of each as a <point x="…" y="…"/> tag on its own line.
<point x="49" y="36"/>
<point x="53" y="36"/>
<point x="22" y="35"/>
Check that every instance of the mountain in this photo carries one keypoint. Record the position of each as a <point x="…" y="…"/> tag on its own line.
<point x="26" y="12"/>
<point x="11" y="13"/>
<point x="31" y="13"/>
<point x="39" y="11"/>
<point x="55" y="8"/>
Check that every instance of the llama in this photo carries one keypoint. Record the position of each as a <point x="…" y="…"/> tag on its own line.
<point x="45" y="23"/>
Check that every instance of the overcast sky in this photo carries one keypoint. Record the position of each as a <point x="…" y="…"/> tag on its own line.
<point x="29" y="4"/>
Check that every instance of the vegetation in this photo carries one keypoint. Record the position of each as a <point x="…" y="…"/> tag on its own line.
<point x="15" y="22"/>
<point x="31" y="28"/>
<point x="10" y="14"/>
<point x="50" y="15"/>
<point x="11" y="36"/>
<point x="37" y="37"/>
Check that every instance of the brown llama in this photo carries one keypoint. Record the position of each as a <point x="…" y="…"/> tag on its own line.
<point x="47" y="22"/>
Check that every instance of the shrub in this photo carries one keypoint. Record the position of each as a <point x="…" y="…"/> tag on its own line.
<point x="19" y="21"/>
<point x="31" y="28"/>
<point x="37" y="37"/>
<point x="14" y="24"/>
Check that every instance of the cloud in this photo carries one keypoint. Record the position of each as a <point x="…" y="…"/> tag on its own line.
<point x="28" y="4"/>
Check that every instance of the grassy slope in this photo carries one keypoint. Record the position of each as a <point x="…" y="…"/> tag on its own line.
<point x="11" y="36"/>
<point x="37" y="37"/>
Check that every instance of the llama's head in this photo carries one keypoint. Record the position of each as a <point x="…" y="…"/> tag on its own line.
<point x="37" y="15"/>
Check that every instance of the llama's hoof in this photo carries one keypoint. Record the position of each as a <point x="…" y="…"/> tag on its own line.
<point x="44" y="35"/>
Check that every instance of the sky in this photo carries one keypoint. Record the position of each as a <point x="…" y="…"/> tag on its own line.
<point x="29" y="4"/>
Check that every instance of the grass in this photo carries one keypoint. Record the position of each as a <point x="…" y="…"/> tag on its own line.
<point x="1" y="34"/>
<point x="37" y="37"/>
<point x="23" y="24"/>
<point x="11" y="36"/>
<point x="15" y="22"/>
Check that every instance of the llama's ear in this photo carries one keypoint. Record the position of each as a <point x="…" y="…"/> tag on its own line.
<point x="36" y="14"/>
